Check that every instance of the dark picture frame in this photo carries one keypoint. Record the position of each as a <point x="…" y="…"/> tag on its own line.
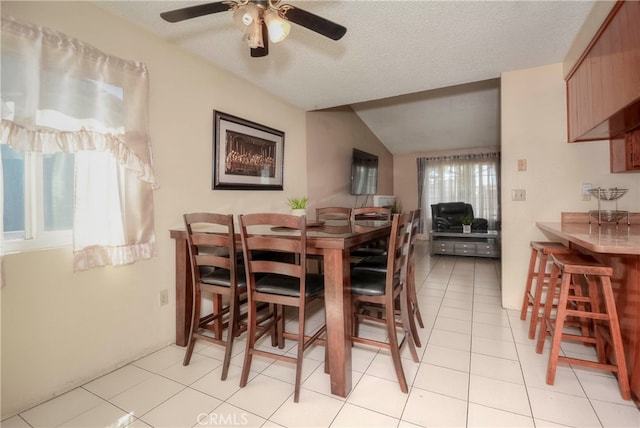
<point x="246" y="155"/>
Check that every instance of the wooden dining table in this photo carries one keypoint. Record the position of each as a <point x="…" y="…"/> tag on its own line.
<point x="333" y="240"/>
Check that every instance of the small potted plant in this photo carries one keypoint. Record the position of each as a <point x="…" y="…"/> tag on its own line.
<point x="298" y="205"/>
<point x="466" y="223"/>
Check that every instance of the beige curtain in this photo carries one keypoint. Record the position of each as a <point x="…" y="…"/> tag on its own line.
<point x="470" y="178"/>
<point x="62" y="95"/>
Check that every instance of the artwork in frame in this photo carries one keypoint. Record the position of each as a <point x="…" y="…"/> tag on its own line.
<point x="246" y="155"/>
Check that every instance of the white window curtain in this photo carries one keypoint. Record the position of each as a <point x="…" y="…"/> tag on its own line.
<point x="62" y="95"/>
<point x="471" y="178"/>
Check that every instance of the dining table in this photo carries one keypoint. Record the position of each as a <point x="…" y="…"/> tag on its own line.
<point x="333" y="240"/>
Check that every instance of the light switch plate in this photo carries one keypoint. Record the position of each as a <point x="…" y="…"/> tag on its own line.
<point x="518" y="195"/>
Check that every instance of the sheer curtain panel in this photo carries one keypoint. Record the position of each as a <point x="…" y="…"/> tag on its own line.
<point x="471" y="178"/>
<point x="62" y="95"/>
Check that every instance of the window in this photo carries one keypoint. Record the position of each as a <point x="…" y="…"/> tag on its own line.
<point x="473" y="178"/>
<point x="38" y="202"/>
<point x="77" y="164"/>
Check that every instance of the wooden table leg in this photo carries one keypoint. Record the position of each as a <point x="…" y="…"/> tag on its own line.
<point x="184" y="293"/>
<point x="338" y="313"/>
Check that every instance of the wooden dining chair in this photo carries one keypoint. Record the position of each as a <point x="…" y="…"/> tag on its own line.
<point x="375" y="295"/>
<point x="379" y="264"/>
<point x="333" y="213"/>
<point x="215" y="272"/>
<point x="373" y="213"/>
<point x="280" y="283"/>
<point x="329" y="213"/>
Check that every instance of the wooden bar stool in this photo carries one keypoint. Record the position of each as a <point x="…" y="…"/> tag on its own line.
<point x="578" y="271"/>
<point x="538" y="274"/>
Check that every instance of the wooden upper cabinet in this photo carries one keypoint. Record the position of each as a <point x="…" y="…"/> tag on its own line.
<point x="603" y="89"/>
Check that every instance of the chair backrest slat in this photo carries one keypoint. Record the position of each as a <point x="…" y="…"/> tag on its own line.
<point x="211" y="242"/>
<point x="332" y="213"/>
<point x="291" y="251"/>
<point x="378" y="211"/>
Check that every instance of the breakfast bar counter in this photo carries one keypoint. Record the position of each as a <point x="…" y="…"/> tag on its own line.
<point x="617" y="245"/>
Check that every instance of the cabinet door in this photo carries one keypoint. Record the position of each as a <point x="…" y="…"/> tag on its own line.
<point x="633" y="149"/>
<point x="604" y="89"/>
<point x="630" y="46"/>
<point x="625" y="152"/>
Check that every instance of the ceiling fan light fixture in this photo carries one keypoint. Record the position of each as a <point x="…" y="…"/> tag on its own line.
<point x="278" y="27"/>
<point x="253" y="35"/>
<point x="261" y="21"/>
<point x="248" y="19"/>
<point x="245" y="16"/>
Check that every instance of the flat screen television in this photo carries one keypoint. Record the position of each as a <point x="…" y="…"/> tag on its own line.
<point x="364" y="173"/>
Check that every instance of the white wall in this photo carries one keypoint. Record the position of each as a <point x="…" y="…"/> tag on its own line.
<point x="534" y="128"/>
<point x="59" y="328"/>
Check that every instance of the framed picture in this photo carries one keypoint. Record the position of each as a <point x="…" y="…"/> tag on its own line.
<point x="246" y="155"/>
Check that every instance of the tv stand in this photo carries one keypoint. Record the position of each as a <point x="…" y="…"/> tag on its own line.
<point x="475" y="244"/>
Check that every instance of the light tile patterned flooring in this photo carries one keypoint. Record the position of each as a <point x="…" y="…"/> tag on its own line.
<point x="477" y="369"/>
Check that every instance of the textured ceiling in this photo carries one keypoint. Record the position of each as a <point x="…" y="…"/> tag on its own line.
<point x="392" y="53"/>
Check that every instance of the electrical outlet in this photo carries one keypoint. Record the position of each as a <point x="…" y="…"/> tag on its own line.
<point x="163" y="297"/>
<point x="518" y="195"/>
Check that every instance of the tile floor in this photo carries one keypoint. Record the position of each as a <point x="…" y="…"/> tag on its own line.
<point x="477" y="369"/>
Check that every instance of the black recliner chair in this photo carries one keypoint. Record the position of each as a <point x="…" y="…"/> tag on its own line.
<point x="447" y="217"/>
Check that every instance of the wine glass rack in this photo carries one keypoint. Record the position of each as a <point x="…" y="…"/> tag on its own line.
<point x="608" y="195"/>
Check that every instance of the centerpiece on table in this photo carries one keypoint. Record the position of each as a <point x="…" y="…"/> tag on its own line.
<point x="298" y="205"/>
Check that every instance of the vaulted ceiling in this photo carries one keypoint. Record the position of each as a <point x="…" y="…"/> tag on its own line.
<point x="423" y="75"/>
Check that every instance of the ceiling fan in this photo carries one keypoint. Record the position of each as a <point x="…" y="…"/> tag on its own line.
<point x="261" y="21"/>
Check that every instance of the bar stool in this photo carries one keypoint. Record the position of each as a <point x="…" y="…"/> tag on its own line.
<point x="540" y="252"/>
<point x="576" y="271"/>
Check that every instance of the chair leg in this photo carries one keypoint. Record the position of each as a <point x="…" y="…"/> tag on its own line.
<point x="616" y="338"/>
<point x="546" y="317"/>
<point x="355" y="324"/>
<point x="300" y="352"/>
<point x="394" y="348"/>
<point x="326" y="356"/>
<point x="408" y="325"/>
<point x="231" y="334"/>
<point x="559" y="326"/>
<point x="527" y="291"/>
<point x="413" y="296"/>
<point x="218" y="324"/>
<point x="274" y="328"/>
<point x="252" y="319"/>
<point x="280" y="311"/>
<point x="412" y="310"/>
<point x="537" y="296"/>
<point x="195" y="325"/>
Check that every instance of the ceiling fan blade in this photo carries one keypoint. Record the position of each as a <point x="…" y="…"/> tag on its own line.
<point x="195" y="11"/>
<point x="263" y="51"/>
<point x="313" y="22"/>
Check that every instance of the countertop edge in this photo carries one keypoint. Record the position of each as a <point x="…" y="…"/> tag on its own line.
<point x="574" y="233"/>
